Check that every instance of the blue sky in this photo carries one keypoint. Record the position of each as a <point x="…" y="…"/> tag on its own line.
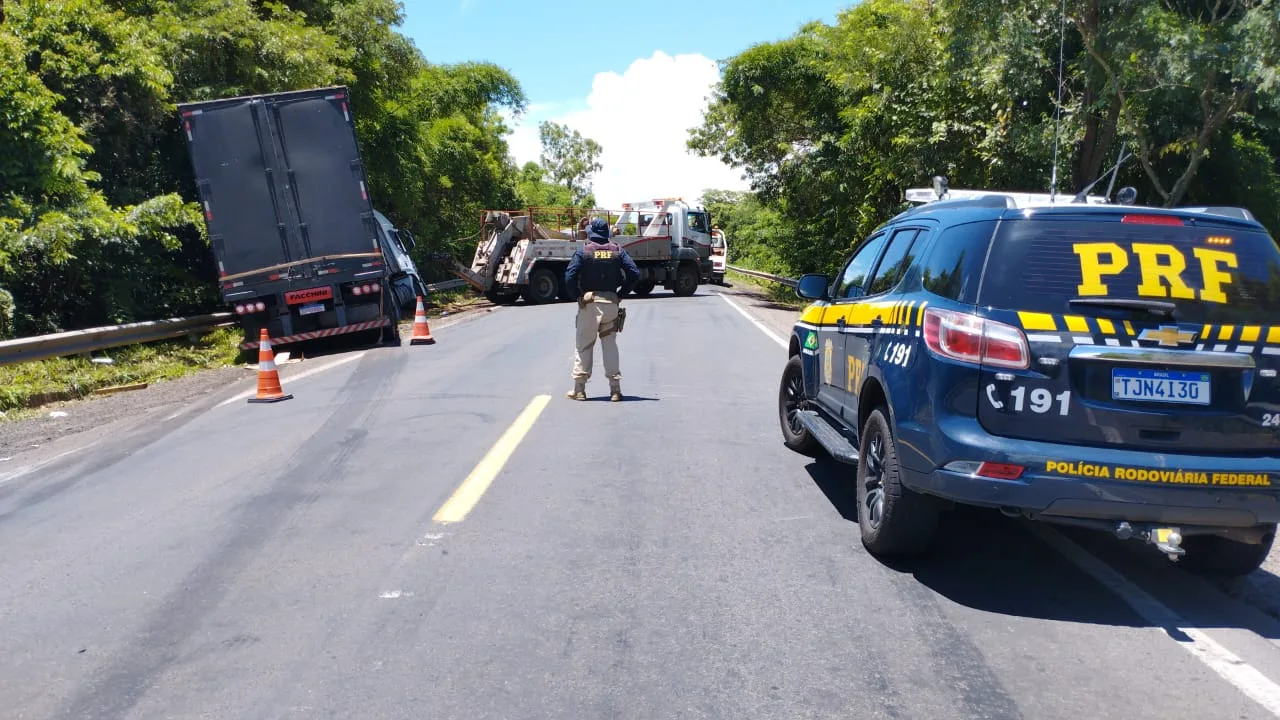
<point x="633" y="76"/>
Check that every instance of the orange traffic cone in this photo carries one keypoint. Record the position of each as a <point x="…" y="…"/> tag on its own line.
<point x="421" y="330"/>
<point x="269" y="389"/>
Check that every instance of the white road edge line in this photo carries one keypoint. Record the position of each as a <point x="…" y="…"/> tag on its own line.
<point x="294" y="378"/>
<point x="1225" y="663"/>
<point x="754" y="321"/>
<point x="27" y="470"/>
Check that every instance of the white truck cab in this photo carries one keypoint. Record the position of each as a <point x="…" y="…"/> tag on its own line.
<point x="719" y="255"/>
<point x="666" y="220"/>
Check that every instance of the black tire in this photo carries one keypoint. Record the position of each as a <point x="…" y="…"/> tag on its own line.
<point x="894" y="521"/>
<point x="791" y="399"/>
<point x="686" y="281"/>
<point x="544" y="286"/>
<point x="390" y="335"/>
<point x="644" y="287"/>
<point x="1217" y="557"/>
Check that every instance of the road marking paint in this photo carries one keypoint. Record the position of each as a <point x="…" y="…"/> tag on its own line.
<point x="1222" y="661"/>
<point x="20" y="472"/>
<point x="294" y="378"/>
<point x="754" y="321"/>
<point x="474" y="487"/>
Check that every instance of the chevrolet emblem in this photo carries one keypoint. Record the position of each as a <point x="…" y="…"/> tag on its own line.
<point x="1168" y="336"/>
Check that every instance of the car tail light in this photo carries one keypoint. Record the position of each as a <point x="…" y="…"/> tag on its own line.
<point x="999" y="471"/>
<point x="972" y="339"/>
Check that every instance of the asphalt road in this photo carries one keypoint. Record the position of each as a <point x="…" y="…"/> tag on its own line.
<point x="664" y="557"/>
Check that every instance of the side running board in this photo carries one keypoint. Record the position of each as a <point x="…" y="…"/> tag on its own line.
<point x="827" y="436"/>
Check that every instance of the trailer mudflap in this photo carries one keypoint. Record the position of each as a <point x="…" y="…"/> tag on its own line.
<point x="325" y="332"/>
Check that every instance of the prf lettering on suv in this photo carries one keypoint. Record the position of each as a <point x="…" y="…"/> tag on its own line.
<point x="1062" y="359"/>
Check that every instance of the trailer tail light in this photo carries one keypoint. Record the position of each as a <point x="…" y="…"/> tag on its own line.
<point x="972" y="339"/>
<point x="357" y="290"/>
<point x="240" y="309"/>
<point x="260" y="306"/>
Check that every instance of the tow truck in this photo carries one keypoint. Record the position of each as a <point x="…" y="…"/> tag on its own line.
<point x="524" y="253"/>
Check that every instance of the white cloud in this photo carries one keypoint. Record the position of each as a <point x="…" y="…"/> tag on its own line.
<point x="641" y="118"/>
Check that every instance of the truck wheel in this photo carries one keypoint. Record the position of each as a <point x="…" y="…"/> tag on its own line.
<point x="686" y="281"/>
<point x="643" y="289"/>
<point x="543" y="287"/>
<point x="894" y="521"/>
<point x="791" y="400"/>
<point x="390" y="334"/>
<point x="1216" y="556"/>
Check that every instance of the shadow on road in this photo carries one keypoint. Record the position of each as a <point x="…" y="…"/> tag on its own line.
<point x="986" y="561"/>
<point x="625" y="398"/>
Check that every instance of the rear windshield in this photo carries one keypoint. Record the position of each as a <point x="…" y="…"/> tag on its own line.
<point x="1212" y="274"/>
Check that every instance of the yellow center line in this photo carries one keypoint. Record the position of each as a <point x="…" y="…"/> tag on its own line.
<point x="474" y="487"/>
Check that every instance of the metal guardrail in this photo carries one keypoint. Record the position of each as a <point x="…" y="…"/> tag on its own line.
<point x="75" y="342"/>
<point x="446" y="285"/>
<point x="789" y="282"/>
<point x="78" y="342"/>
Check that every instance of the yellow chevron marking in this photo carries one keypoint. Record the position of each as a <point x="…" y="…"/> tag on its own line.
<point x="1226" y="332"/>
<point x="1107" y="327"/>
<point x="1128" y="328"/>
<point x="1273" y="335"/>
<point x="1077" y="324"/>
<point x="1037" y="321"/>
<point x="1250" y="333"/>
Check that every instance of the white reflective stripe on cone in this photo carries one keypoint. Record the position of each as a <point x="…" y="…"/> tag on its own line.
<point x="267" y="366"/>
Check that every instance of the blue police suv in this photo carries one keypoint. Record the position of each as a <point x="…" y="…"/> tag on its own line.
<point x="1103" y="365"/>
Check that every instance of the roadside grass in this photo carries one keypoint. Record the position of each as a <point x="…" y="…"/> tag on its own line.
<point x="29" y="385"/>
<point x="780" y="294"/>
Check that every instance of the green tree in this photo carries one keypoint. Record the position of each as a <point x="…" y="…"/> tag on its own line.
<point x="570" y="160"/>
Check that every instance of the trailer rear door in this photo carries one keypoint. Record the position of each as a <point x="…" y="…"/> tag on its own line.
<point x="326" y="176"/>
<point x="233" y="161"/>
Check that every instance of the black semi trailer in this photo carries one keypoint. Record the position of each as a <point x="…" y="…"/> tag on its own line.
<point x="300" y="249"/>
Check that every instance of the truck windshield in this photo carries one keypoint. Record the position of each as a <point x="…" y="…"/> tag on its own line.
<point x="698" y="222"/>
<point x="1102" y="265"/>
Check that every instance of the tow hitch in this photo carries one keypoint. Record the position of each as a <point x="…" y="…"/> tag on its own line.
<point x="1167" y="540"/>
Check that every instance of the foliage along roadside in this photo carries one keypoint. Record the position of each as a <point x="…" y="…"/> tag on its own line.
<point x="97" y="223"/>
<point x="833" y="123"/>
<point x="31" y="384"/>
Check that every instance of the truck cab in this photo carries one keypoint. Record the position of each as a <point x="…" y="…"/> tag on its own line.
<point x="403" y="274"/>
<point x="719" y="255"/>
<point x="672" y="220"/>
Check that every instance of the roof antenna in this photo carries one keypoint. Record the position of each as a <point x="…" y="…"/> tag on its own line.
<point x="1083" y="195"/>
<point x="1057" y="111"/>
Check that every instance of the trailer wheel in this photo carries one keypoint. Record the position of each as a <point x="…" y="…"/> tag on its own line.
<point x="686" y="281"/>
<point x="543" y="287"/>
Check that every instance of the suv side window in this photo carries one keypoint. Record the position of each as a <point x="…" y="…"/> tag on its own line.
<point x="955" y="263"/>
<point x="895" y="261"/>
<point x="854" y="278"/>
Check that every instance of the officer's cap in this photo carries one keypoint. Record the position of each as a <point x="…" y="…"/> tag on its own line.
<point x="598" y="230"/>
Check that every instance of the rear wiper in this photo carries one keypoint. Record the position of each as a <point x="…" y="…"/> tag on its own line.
<point x="1155" y="307"/>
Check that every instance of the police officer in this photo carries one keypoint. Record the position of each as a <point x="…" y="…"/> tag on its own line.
<point x="594" y="276"/>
